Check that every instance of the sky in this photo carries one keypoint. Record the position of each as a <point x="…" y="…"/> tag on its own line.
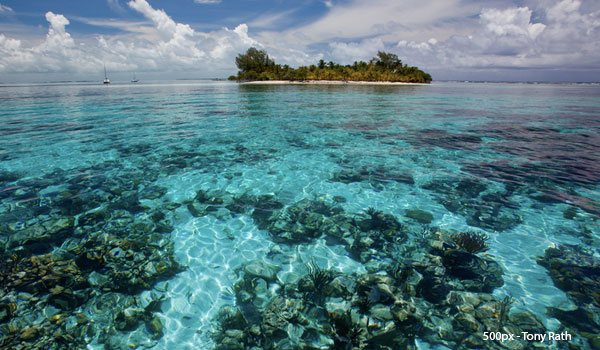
<point x="492" y="40"/>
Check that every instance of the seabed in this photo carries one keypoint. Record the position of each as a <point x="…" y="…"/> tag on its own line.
<point x="225" y="216"/>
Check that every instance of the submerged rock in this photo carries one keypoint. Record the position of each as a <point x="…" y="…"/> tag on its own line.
<point x="42" y="236"/>
<point x="476" y="273"/>
<point x="264" y="207"/>
<point x="419" y="215"/>
<point x="445" y="267"/>
<point x="570" y="213"/>
<point x="66" y="299"/>
<point x="7" y="177"/>
<point x="279" y="313"/>
<point x="129" y="319"/>
<point x="481" y="207"/>
<point x="262" y="269"/>
<point x="30" y="333"/>
<point x="377" y="177"/>
<point x="576" y="270"/>
<point x="153" y="192"/>
<point x="155" y="326"/>
<point x="7" y="311"/>
<point x="127" y="265"/>
<point x="307" y="220"/>
<point x="433" y="289"/>
<point x="111" y="247"/>
<point x="260" y="207"/>
<point x="38" y="274"/>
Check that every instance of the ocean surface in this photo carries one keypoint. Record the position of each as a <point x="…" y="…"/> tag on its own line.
<point x="180" y="215"/>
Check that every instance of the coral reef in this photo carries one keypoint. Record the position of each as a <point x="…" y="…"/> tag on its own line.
<point x="472" y="199"/>
<point x="316" y="282"/>
<point x="309" y="219"/>
<point x="576" y="270"/>
<point x="421" y="216"/>
<point x="364" y="312"/>
<point x="444" y="139"/>
<point x="471" y="242"/>
<point x="260" y="208"/>
<point x="377" y="177"/>
<point x="91" y="245"/>
<point x="82" y="244"/>
<point x="440" y="292"/>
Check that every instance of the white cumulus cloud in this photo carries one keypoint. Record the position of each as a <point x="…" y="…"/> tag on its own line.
<point x="165" y="45"/>
<point x="510" y="38"/>
<point x="511" y="22"/>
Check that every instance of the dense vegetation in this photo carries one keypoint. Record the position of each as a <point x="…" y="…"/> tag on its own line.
<point x="255" y="64"/>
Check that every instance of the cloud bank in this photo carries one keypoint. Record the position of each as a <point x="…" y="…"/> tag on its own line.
<point x="539" y="35"/>
<point x="165" y="46"/>
<point x="509" y="38"/>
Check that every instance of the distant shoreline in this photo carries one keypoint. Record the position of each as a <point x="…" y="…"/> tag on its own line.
<point x="325" y="82"/>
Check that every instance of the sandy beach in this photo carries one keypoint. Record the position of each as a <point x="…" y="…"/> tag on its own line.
<point x="325" y="82"/>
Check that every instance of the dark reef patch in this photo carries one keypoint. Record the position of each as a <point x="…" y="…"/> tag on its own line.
<point x="545" y="163"/>
<point x="443" y="139"/>
<point x="471" y="198"/>
<point x="377" y="177"/>
<point x="421" y="216"/>
<point x="543" y="184"/>
<point x="576" y="270"/>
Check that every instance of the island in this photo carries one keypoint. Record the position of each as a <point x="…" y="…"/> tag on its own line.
<point x="256" y="66"/>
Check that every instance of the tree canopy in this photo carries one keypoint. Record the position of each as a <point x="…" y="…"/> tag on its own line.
<point x="254" y="61"/>
<point x="256" y="64"/>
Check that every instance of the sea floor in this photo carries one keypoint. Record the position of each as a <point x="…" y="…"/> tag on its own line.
<point x="209" y="215"/>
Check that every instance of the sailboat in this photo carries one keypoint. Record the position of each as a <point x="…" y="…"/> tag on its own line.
<point x="134" y="80"/>
<point x="106" y="80"/>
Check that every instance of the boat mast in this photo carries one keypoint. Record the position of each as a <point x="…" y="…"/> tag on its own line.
<point x="106" y="80"/>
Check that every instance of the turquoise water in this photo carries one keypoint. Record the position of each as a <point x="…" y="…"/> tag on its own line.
<point x="166" y="166"/>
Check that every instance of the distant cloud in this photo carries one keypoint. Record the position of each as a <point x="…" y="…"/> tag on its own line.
<point x="5" y="9"/>
<point x="57" y="52"/>
<point x="115" y="6"/>
<point x="271" y="20"/>
<point x="328" y="3"/>
<point x="143" y="28"/>
<point x="509" y="38"/>
<point x="354" y="51"/>
<point x="207" y="1"/>
<point x="511" y="22"/>
<point x="357" y="19"/>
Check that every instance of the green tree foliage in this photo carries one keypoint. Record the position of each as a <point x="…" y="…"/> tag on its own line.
<point x="255" y="64"/>
<point x="387" y="60"/>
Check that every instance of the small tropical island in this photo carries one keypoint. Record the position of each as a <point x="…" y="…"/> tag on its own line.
<point x="256" y="66"/>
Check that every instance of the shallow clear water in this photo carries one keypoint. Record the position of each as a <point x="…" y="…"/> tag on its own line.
<point x="534" y="148"/>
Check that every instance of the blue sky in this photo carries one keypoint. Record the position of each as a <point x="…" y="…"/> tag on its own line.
<point x="545" y="40"/>
<point x="202" y="16"/>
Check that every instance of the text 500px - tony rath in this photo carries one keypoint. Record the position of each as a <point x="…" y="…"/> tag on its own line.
<point x="538" y="337"/>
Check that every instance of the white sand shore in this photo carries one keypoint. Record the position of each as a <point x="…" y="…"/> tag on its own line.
<point x="325" y="82"/>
